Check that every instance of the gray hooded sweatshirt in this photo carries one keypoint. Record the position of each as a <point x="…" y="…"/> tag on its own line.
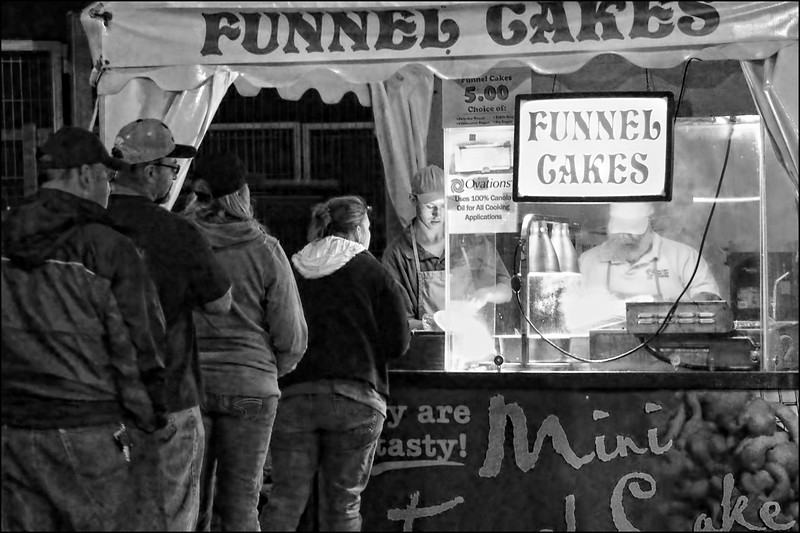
<point x="264" y="335"/>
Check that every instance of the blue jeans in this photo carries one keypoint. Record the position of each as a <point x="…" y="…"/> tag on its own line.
<point x="180" y="445"/>
<point x="238" y="429"/>
<point x="327" y="434"/>
<point x="77" y="479"/>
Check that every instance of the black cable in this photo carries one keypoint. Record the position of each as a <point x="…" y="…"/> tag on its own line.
<point x="683" y="87"/>
<point x="516" y="281"/>
<point x="563" y="351"/>
<point x="705" y="232"/>
<point x="655" y="352"/>
<point x="524" y="313"/>
<point x="672" y="309"/>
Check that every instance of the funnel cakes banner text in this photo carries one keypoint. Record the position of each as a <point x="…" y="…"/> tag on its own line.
<point x="318" y="32"/>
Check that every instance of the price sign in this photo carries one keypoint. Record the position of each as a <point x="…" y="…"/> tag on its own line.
<point x="487" y="100"/>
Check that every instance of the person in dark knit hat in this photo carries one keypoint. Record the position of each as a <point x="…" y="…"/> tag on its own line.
<point x="244" y="352"/>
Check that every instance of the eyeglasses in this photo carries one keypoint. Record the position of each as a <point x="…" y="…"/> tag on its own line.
<point x="175" y="168"/>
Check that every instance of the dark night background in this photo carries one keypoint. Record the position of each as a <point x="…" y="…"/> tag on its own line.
<point x="40" y="21"/>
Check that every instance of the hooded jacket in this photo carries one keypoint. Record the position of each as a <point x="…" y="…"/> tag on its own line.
<point x="355" y="314"/>
<point x="82" y="330"/>
<point x="264" y="335"/>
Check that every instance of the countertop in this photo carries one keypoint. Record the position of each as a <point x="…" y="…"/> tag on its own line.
<point x="700" y="379"/>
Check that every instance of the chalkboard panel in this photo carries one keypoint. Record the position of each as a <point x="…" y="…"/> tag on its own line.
<point x="592" y="460"/>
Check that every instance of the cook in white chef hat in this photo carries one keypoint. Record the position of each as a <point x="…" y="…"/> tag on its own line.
<point x="631" y="218"/>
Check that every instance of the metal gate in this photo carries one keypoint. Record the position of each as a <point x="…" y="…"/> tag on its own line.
<point x="298" y="153"/>
<point x="32" y="109"/>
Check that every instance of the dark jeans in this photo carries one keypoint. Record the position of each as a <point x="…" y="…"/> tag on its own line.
<point x="77" y="479"/>
<point x="327" y="434"/>
<point x="238" y="430"/>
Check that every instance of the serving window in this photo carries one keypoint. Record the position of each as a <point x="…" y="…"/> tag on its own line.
<point x="583" y="298"/>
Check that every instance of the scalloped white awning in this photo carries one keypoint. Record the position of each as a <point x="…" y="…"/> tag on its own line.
<point x="337" y="47"/>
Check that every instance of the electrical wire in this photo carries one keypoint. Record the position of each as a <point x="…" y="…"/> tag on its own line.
<point x="674" y="307"/>
<point x="683" y="87"/>
<point x="655" y="352"/>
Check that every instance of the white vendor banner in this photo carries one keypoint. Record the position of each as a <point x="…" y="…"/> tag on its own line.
<point x="123" y="34"/>
<point x="593" y="147"/>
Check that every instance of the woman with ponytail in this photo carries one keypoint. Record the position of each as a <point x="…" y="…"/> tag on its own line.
<point x="333" y="405"/>
<point x="243" y="352"/>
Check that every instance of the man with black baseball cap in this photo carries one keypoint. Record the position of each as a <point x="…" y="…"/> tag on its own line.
<point x="76" y="161"/>
<point x="188" y="277"/>
<point x="82" y="367"/>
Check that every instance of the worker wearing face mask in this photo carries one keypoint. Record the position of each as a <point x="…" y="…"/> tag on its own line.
<point x="416" y="258"/>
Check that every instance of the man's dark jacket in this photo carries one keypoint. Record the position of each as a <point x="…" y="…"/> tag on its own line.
<point x="82" y="330"/>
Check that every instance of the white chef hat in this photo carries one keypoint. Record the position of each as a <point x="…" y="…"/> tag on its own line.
<point x="629" y="218"/>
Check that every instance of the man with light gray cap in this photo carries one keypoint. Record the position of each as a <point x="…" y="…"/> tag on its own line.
<point x="188" y="277"/>
<point x="635" y="262"/>
<point x="416" y="258"/>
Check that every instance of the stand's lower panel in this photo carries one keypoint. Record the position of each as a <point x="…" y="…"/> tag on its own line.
<point x="581" y="451"/>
